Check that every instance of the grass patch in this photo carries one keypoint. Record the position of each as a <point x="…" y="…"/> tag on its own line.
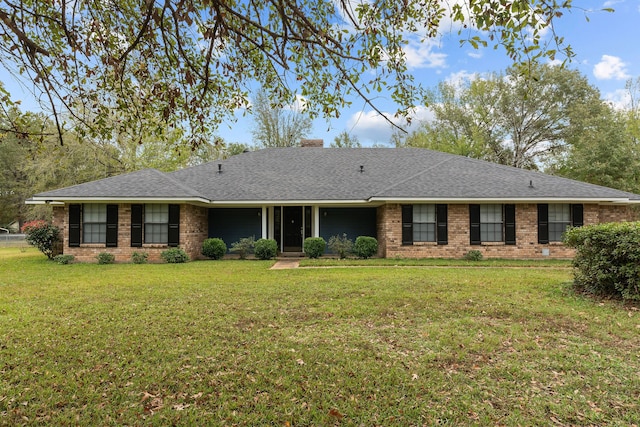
<point x="433" y="262"/>
<point x="234" y="343"/>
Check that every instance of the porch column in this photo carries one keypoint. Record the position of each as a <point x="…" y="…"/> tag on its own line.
<point x="264" y="217"/>
<point x="316" y="221"/>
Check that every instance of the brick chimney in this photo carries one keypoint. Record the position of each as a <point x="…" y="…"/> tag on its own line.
<point x="316" y="143"/>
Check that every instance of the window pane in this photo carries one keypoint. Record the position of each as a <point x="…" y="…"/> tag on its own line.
<point x="559" y="221"/>
<point x="424" y="232"/>
<point x="95" y="213"/>
<point x="95" y="233"/>
<point x="490" y="213"/>
<point x="156" y="233"/>
<point x="424" y="213"/>
<point x="491" y="223"/>
<point x="424" y="223"/>
<point x="560" y="213"/>
<point x="156" y="214"/>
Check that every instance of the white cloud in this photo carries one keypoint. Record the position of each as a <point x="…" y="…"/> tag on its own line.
<point x="610" y="67"/>
<point x="371" y="127"/>
<point x="421" y="55"/>
<point x="620" y="99"/>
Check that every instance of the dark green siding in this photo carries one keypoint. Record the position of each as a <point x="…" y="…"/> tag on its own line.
<point x="232" y="224"/>
<point x="353" y="221"/>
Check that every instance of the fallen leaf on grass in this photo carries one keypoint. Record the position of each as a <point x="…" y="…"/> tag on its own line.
<point x="334" y="413"/>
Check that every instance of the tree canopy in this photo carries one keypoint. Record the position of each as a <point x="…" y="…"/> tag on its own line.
<point x="192" y="63"/>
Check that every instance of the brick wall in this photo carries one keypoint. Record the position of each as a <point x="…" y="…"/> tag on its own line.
<point x="526" y="247"/>
<point x="193" y="231"/>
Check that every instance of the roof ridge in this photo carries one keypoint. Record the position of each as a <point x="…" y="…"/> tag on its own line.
<point x="445" y="160"/>
<point x="180" y="184"/>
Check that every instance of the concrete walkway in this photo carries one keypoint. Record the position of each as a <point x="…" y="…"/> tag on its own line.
<point x="285" y="264"/>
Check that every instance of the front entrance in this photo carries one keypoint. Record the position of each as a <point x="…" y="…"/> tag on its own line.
<point x="293" y="228"/>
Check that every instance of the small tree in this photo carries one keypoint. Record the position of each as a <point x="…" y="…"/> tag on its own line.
<point x="340" y="245"/>
<point x="244" y="246"/>
<point x="43" y="236"/>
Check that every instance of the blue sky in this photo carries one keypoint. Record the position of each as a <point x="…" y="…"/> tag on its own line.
<point x="606" y="46"/>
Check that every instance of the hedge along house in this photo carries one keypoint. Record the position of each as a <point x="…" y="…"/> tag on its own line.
<point x="416" y="202"/>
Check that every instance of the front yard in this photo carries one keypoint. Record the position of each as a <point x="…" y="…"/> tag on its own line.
<point x="234" y="343"/>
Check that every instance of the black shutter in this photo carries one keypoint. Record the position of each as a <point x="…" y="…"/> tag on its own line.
<point x="441" y="225"/>
<point x="75" y="216"/>
<point x="112" y="226"/>
<point x="510" y="224"/>
<point x="174" y="225"/>
<point x="407" y="224"/>
<point x="136" y="225"/>
<point x="577" y="215"/>
<point x="543" y="223"/>
<point x="474" y="224"/>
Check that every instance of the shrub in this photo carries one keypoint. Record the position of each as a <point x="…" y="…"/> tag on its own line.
<point x="105" y="258"/>
<point x="44" y="236"/>
<point x="340" y="245"/>
<point x="244" y="246"/>
<point x="63" y="259"/>
<point x="607" y="261"/>
<point x="314" y="246"/>
<point x="365" y="247"/>
<point x="473" y="255"/>
<point x="214" y="248"/>
<point x="174" y="256"/>
<point x="266" y="248"/>
<point x="139" y="257"/>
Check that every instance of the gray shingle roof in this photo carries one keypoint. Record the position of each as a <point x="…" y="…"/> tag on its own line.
<point x="325" y="174"/>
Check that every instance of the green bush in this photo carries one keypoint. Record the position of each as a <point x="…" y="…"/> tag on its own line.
<point x="365" y="247"/>
<point x="105" y="258"/>
<point x="174" y="256"/>
<point x="44" y="236"/>
<point x="214" y="248"/>
<point x="473" y="255"/>
<point x="607" y="261"/>
<point x="340" y="245"/>
<point x="314" y="246"/>
<point x="139" y="257"/>
<point x="266" y="248"/>
<point x="63" y="259"/>
<point x="244" y="246"/>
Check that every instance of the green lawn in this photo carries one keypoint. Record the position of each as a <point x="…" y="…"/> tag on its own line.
<point x="234" y="343"/>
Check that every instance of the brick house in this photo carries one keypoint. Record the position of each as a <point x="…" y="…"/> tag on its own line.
<point x="416" y="202"/>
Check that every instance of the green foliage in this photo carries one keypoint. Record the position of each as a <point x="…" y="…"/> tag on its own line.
<point x="276" y="126"/>
<point x="63" y="259"/>
<point x="365" y="247"/>
<point x="145" y="68"/>
<point x="499" y="120"/>
<point x="346" y="140"/>
<point x="607" y="261"/>
<point x="214" y="248"/>
<point x="44" y="236"/>
<point x="244" y="246"/>
<point x="139" y="257"/>
<point x="473" y="255"/>
<point x="340" y="245"/>
<point x="314" y="246"/>
<point x="105" y="258"/>
<point x="266" y="248"/>
<point x="174" y="256"/>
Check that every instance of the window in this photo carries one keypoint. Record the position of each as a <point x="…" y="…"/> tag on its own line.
<point x="94" y="223"/>
<point x="156" y="223"/>
<point x="492" y="223"/>
<point x="554" y="219"/>
<point x="559" y="221"/>
<point x="424" y="223"/>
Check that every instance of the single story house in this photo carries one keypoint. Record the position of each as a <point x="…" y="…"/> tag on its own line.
<point x="415" y="202"/>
